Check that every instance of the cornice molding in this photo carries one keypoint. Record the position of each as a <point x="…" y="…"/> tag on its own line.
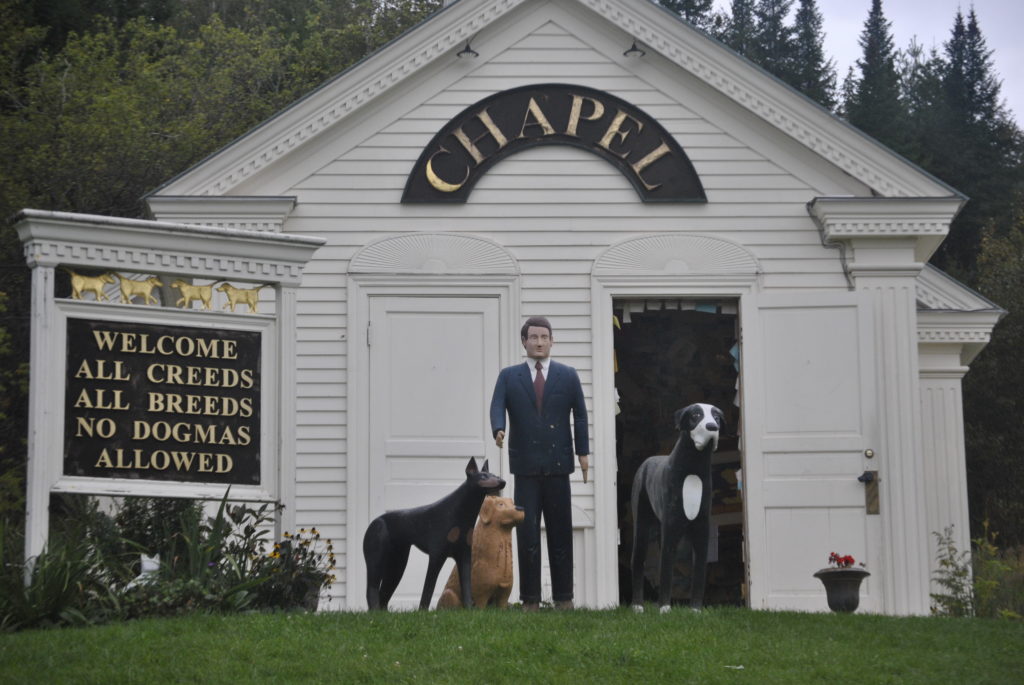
<point x="64" y="239"/>
<point x="852" y="219"/>
<point x="844" y="217"/>
<point x="953" y="335"/>
<point x="266" y="214"/>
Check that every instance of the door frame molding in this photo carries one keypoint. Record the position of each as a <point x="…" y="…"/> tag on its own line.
<point x="361" y="288"/>
<point x="604" y="292"/>
<point x="657" y="266"/>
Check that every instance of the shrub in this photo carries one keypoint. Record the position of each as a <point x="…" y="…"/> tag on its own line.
<point x="987" y="583"/>
<point x="223" y="563"/>
<point x="151" y="523"/>
<point x="295" y="571"/>
<point x="998" y="578"/>
<point x="68" y="584"/>
<point x="954" y="577"/>
<point x="220" y="563"/>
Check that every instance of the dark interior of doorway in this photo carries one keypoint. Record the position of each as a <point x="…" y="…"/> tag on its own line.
<point x="670" y="354"/>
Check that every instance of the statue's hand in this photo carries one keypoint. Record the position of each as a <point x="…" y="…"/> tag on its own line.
<point x="499" y="438"/>
<point x="584" y="466"/>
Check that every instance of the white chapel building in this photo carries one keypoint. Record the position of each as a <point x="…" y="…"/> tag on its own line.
<point x="695" y="230"/>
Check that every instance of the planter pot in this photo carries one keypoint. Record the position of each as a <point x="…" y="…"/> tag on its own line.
<point x="842" y="587"/>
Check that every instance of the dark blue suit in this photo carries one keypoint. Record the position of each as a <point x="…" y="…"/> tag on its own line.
<point x="540" y="450"/>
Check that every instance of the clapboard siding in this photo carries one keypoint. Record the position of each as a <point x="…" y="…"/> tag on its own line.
<point x="554" y="209"/>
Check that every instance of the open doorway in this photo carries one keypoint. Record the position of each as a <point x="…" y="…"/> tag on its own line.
<point x="670" y="353"/>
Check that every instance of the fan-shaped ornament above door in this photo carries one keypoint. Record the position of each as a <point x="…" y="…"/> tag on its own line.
<point x="553" y="114"/>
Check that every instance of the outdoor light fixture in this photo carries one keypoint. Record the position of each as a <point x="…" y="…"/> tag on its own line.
<point x="634" y="50"/>
<point x="467" y="51"/>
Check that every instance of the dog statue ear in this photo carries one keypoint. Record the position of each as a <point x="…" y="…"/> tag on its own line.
<point x="677" y="418"/>
<point x="471" y="469"/>
<point x="487" y="509"/>
<point x="485" y="467"/>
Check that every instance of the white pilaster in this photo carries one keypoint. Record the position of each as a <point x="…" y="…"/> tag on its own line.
<point x="888" y="241"/>
<point x="286" y="312"/>
<point x="945" y="475"/>
<point x="900" y="459"/>
<point x="42" y="438"/>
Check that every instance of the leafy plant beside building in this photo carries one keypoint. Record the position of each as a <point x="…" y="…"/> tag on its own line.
<point x="213" y="564"/>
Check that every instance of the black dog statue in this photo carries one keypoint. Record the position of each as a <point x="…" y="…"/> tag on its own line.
<point x="675" y="491"/>
<point x="441" y="530"/>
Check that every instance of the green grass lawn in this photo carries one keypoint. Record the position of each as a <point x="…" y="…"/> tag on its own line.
<point x="581" y="648"/>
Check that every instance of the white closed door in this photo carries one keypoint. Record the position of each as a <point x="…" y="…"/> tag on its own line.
<point x="433" y="363"/>
<point x="817" y="422"/>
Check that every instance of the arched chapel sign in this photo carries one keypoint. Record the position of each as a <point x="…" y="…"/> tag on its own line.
<point x="553" y="114"/>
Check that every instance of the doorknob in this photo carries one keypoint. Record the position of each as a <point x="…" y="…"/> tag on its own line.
<point x="867" y="477"/>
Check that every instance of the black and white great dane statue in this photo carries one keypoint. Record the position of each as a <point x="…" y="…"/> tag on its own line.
<point x="674" y="490"/>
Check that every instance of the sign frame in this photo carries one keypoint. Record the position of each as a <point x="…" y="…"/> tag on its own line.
<point x="266" y="491"/>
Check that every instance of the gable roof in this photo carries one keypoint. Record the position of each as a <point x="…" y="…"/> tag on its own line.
<point x="447" y="31"/>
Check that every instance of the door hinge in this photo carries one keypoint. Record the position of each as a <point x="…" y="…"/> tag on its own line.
<point x="369" y="334"/>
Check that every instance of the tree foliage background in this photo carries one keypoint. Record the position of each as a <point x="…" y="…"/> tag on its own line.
<point x="103" y="100"/>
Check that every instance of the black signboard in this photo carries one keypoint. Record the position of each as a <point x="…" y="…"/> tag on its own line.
<point x="513" y="120"/>
<point x="162" y="402"/>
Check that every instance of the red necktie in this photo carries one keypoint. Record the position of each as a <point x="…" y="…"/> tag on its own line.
<point x="538" y="384"/>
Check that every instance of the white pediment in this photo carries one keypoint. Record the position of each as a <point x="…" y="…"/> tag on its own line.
<point x="938" y="291"/>
<point x="433" y="45"/>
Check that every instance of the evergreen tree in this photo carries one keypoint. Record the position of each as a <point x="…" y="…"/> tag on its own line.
<point x="924" y="98"/>
<point x="875" y="106"/>
<point x="774" y="41"/>
<point x="700" y="13"/>
<point x="978" y="148"/>
<point x="739" y="33"/>
<point x="812" y="74"/>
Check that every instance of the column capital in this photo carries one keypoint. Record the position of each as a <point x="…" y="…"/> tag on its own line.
<point x="871" y="224"/>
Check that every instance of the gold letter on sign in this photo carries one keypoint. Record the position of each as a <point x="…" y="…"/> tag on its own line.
<point x="538" y="120"/>
<point x="577" y="110"/>
<point x="648" y="160"/>
<point x="492" y="129"/>
<point x="436" y="181"/>
<point x="615" y="129"/>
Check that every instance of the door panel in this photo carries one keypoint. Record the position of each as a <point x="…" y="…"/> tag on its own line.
<point x="433" y="361"/>
<point x="818" y="399"/>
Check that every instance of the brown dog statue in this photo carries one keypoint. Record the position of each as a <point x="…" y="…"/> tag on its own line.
<point x="491" y="578"/>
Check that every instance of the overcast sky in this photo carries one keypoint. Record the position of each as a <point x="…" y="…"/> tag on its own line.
<point x="1001" y="22"/>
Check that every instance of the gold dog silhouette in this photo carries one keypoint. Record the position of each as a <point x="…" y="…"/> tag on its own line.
<point x="190" y="293"/>
<point x="249" y="296"/>
<point x="89" y="284"/>
<point x="131" y="288"/>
